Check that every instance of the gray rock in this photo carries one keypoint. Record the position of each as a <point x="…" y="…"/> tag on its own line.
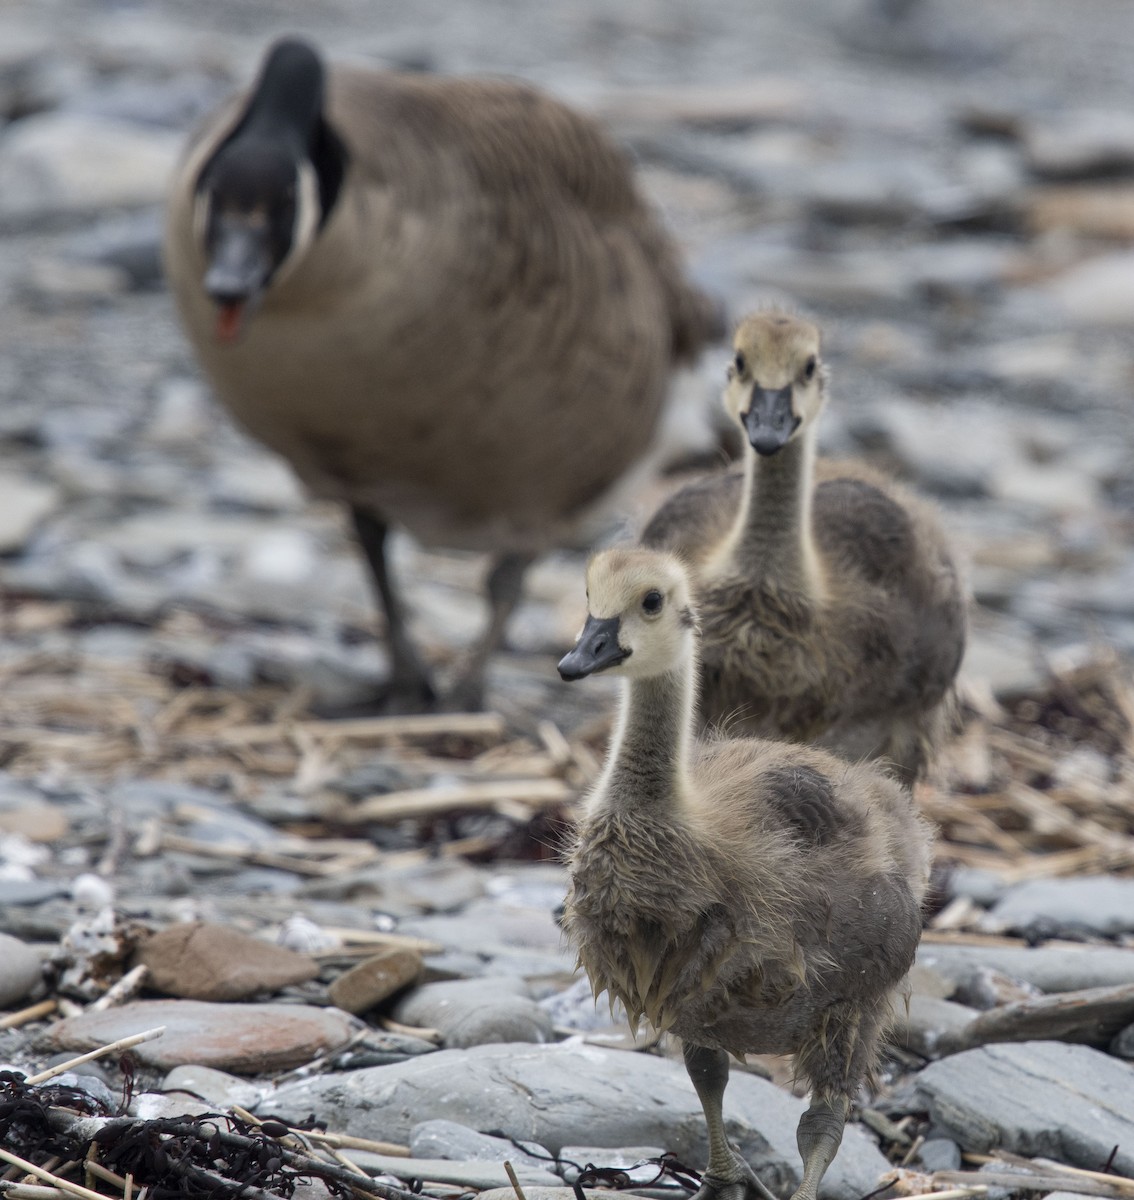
<point x="472" y="1012"/>
<point x="1123" y="1044"/>
<point x="625" y="1158"/>
<point x="491" y="939"/>
<point x="129" y="244"/>
<point x="928" y="1025"/>
<point x="218" y="1088"/>
<point x="981" y="886"/>
<point x="1040" y="1099"/>
<point x="940" y="1154"/>
<point x="1003" y="661"/>
<point x="1079" y="144"/>
<point x="244" y="1038"/>
<point x="472" y="1173"/>
<point x="24" y="503"/>
<point x="63" y="162"/>
<point x="20" y="972"/>
<point x="1100" y="904"/>
<point x="448" y="1139"/>
<point x="570" y="1094"/>
<point x="575" y="1008"/>
<point x="1099" y="291"/>
<point x="156" y="1106"/>
<point x="1049" y="968"/>
<point x="545" y="1193"/>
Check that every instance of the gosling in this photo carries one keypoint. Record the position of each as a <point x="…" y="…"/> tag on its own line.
<point x="748" y="896"/>
<point x="443" y="301"/>
<point x="832" y="609"/>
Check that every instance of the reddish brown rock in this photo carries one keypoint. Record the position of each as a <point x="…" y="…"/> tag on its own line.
<point x="246" y="1039"/>
<point x="376" y="979"/>
<point x="210" y="962"/>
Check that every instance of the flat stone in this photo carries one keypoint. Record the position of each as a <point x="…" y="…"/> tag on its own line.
<point x="246" y="1039"/>
<point x="65" y="161"/>
<point x="1123" y="1044"/>
<point x="544" y="1193"/>
<point x="375" y="979"/>
<point x="448" y="1139"/>
<point x="218" y="1088"/>
<point x="1101" y="904"/>
<point x="1099" y="211"/>
<point x="473" y="1173"/>
<point x="1093" y="1016"/>
<point x="1040" y="1099"/>
<point x="490" y="939"/>
<point x="929" y="1025"/>
<point x="212" y="962"/>
<point x="1050" y="968"/>
<point x="572" y="1094"/>
<point x="1098" y="291"/>
<point x="1006" y="663"/>
<point x="624" y="1158"/>
<point x="36" y="821"/>
<point x="1079" y="144"/>
<point x="24" y="503"/>
<point x="940" y="1154"/>
<point x="156" y="1106"/>
<point x="472" y="1012"/>
<point x="20" y="972"/>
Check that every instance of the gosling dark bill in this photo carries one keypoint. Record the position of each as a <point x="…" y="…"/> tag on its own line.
<point x="596" y="649"/>
<point x="770" y="421"/>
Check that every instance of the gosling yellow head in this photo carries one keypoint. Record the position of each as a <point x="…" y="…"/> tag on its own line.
<point x="776" y="380"/>
<point x="640" y="618"/>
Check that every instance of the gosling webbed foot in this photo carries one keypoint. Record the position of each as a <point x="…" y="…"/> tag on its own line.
<point x="742" y="1183"/>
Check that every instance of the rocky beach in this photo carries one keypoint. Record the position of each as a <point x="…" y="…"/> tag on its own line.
<point x="347" y="929"/>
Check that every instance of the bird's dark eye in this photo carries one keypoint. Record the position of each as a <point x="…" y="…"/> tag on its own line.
<point x="809" y="369"/>
<point x="739" y="363"/>
<point x="652" y="602"/>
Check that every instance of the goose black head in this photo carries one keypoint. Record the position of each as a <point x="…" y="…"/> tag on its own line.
<point x="270" y="186"/>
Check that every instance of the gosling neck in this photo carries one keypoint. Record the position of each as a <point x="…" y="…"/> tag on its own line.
<point x="648" y="761"/>
<point x="773" y="526"/>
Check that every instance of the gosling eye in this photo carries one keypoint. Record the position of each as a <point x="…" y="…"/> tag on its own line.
<point x="809" y="370"/>
<point x="739" y="363"/>
<point x="652" y="602"/>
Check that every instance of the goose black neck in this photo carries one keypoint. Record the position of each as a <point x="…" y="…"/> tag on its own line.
<point x="285" y="110"/>
<point x="287" y="101"/>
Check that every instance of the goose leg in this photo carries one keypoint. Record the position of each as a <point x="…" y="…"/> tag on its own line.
<point x="728" y="1176"/>
<point x="819" y="1136"/>
<point x="409" y="688"/>
<point x="504" y="588"/>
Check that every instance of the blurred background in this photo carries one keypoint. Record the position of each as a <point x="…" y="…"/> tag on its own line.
<point x="947" y="185"/>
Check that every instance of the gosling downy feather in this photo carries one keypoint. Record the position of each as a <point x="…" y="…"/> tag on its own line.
<point x="749" y="896"/>
<point x="832" y="609"/>
<point x="443" y="301"/>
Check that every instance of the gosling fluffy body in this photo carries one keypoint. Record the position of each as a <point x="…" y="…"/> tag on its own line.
<point x="749" y="896"/>
<point x="466" y="315"/>
<point x="832" y="609"/>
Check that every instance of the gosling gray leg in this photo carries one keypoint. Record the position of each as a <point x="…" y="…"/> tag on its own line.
<point x="409" y="688"/>
<point x="504" y="588"/>
<point x="728" y="1176"/>
<point x="819" y="1136"/>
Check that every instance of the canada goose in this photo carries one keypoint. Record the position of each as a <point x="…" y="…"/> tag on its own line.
<point x="443" y="301"/>
<point x="746" y="895"/>
<point x="831" y="607"/>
